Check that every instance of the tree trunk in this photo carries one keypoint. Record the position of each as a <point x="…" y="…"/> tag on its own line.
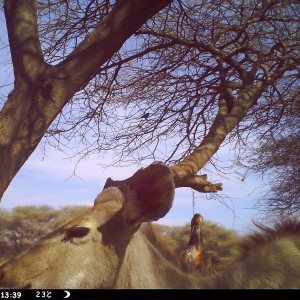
<point x="40" y="90"/>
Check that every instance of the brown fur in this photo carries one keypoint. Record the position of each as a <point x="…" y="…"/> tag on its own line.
<point x="266" y="235"/>
<point x="271" y="261"/>
<point x="156" y="239"/>
<point x="106" y="248"/>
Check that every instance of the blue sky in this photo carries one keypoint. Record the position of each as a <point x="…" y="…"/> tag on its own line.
<point x="49" y="179"/>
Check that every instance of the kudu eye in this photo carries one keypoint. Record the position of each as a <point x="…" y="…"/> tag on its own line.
<point x="76" y="232"/>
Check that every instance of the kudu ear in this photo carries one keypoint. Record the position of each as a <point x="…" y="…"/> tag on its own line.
<point x="148" y="194"/>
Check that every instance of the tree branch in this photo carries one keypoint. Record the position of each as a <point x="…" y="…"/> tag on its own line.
<point x="124" y="19"/>
<point x="26" y="52"/>
<point x="196" y="182"/>
<point x="200" y="184"/>
<point x="222" y="125"/>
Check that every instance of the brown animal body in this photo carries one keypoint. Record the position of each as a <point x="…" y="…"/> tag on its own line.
<point x="106" y="248"/>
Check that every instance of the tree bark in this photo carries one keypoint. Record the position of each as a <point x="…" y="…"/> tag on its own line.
<point x="224" y="122"/>
<point x="40" y="90"/>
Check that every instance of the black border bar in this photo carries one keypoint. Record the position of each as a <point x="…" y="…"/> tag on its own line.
<point x="155" y="294"/>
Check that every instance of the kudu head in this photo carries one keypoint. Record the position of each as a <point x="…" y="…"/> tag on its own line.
<point x="89" y="250"/>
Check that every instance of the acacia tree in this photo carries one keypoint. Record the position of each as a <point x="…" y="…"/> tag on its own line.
<point x="276" y="157"/>
<point x="193" y="72"/>
<point x="191" y="75"/>
<point x="42" y="88"/>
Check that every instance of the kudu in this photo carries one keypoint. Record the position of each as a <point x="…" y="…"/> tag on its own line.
<point x="105" y="247"/>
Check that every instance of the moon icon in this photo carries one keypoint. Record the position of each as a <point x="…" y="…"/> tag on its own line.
<point x="67" y="294"/>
